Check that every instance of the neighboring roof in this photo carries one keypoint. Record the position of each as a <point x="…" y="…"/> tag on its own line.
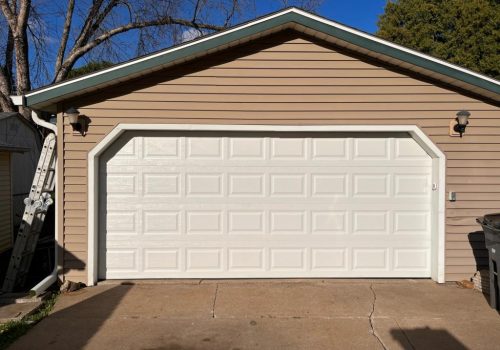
<point x="294" y="18"/>
<point x="19" y="117"/>
<point x="12" y="148"/>
<point x="5" y="115"/>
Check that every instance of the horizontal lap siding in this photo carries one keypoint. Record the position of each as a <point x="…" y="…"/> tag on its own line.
<point x="296" y="82"/>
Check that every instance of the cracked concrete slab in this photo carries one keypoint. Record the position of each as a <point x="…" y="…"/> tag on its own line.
<point x="275" y="314"/>
<point x="371" y="318"/>
<point x="432" y="300"/>
<point x="16" y="311"/>
<point x="148" y="333"/>
<point x="449" y="333"/>
<point x="163" y="301"/>
<point x="293" y="300"/>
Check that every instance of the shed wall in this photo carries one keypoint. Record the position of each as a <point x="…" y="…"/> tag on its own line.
<point x="5" y="202"/>
<point x="294" y="80"/>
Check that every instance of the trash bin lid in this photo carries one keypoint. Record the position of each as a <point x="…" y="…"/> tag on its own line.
<point x="492" y="220"/>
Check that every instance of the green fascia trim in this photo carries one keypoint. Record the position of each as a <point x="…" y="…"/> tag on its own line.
<point x="400" y="55"/>
<point x="251" y="30"/>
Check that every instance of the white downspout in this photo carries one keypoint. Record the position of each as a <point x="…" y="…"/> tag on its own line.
<point x="52" y="278"/>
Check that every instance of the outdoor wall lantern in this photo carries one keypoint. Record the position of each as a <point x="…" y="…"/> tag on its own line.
<point x="78" y="122"/>
<point x="457" y="126"/>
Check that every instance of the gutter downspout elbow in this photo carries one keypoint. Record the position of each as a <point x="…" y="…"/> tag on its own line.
<point x="52" y="277"/>
<point x="45" y="124"/>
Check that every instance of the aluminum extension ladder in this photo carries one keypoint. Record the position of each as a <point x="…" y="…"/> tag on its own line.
<point x="36" y="206"/>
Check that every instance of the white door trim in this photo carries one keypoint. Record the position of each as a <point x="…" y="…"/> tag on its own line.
<point x="438" y="197"/>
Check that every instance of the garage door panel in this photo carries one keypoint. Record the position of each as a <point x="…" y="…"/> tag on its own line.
<point x="204" y="205"/>
<point x="240" y="219"/>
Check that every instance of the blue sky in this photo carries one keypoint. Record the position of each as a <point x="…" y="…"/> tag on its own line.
<point x="360" y="14"/>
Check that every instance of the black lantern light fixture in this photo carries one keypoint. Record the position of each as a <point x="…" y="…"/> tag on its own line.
<point x="462" y="120"/>
<point x="76" y="120"/>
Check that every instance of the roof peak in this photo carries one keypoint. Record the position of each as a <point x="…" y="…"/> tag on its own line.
<point x="410" y="59"/>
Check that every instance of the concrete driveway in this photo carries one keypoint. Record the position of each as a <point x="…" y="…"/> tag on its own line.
<point x="271" y="314"/>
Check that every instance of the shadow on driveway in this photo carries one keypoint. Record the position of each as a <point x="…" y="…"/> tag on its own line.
<point x="72" y="326"/>
<point x="478" y="245"/>
<point x="427" y="338"/>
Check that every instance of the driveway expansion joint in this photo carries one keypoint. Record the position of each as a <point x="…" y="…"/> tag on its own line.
<point x="215" y="300"/>
<point x="371" y="318"/>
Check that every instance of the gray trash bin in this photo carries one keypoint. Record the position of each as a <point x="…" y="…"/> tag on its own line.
<point x="491" y="228"/>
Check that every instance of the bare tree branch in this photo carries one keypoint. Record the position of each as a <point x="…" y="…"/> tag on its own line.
<point x="9" y="14"/>
<point x="85" y="31"/>
<point x="65" y="35"/>
<point x="9" y="52"/>
<point x="20" y="34"/>
<point x="22" y="18"/>
<point x="195" y="12"/>
<point x="5" y="102"/>
<point x="230" y="14"/>
<point x="79" y="52"/>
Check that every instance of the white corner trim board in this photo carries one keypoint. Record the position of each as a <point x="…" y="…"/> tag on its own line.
<point x="438" y="177"/>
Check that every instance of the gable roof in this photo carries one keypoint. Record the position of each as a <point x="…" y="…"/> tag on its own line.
<point x="18" y="118"/>
<point x="294" y="18"/>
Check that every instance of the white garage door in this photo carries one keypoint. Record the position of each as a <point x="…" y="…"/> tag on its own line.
<point x="202" y="205"/>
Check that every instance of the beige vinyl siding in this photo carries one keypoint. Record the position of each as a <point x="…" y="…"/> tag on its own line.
<point x="5" y="202"/>
<point x="295" y="80"/>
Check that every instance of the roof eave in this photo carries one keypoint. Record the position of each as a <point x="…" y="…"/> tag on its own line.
<point x="460" y="77"/>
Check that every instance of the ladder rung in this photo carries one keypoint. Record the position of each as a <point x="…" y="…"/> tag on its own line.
<point x="27" y="237"/>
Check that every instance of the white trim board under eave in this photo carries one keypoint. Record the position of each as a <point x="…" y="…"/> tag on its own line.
<point x="439" y="169"/>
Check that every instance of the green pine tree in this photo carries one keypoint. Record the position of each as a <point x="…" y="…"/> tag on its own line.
<point x="90" y="67"/>
<point x="463" y="32"/>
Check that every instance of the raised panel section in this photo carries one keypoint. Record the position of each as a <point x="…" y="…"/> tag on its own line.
<point x="412" y="185"/>
<point x="287" y="185"/>
<point x="409" y="222"/>
<point x="121" y="259"/>
<point x="120" y="184"/>
<point x="204" y="147"/>
<point x="330" y="259"/>
<point x="204" y="222"/>
<point x="370" y="222"/>
<point x="161" y="259"/>
<point x="411" y="259"/>
<point x="161" y="184"/>
<point x="203" y="259"/>
<point x="128" y="150"/>
<point x="204" y="185"/>
<point x="328" y="222"/>
<point x="368" y="148"/>
<point x="408" y="148"/>
<point x="121" y="223"/>
<point x="246" y="222"/>
<point x="246" y="259"/>
<point x="287" y="222"/>
<point x="371" y="185"/>
<point x="288" y="148"/>
<point x="287" y="259"/>
<point x="246" y="148"/>
<point x="370" y="259"/>
<point x="329" y="149"/>
<point x="246" y="185"/>
<point x="159" y="222"/>
<point x="329" y="185"/>
<point x="161" y="147"/>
